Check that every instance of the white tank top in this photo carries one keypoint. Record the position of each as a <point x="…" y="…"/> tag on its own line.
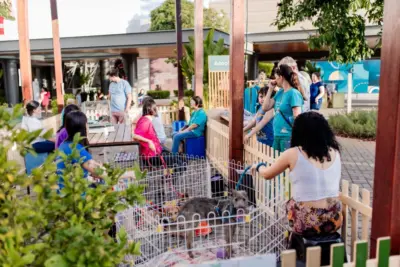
<point x="310" y="183"/>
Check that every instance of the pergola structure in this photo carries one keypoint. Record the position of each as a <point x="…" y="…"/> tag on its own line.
<point x="386" y="206"/>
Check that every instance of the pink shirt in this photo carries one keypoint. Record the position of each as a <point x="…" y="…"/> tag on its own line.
<point x="144" y="128"/>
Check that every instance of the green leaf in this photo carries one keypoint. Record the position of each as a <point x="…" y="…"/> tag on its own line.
<point x="56" y="261"/>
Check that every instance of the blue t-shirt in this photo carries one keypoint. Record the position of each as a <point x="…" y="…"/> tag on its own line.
<point x="314" y="91"/>
<point x="198" y="117"/>
<point x="119" y="95"/>
<point x="84" y="155"/>
<point x="285" y="102"/>
<point x="266" y="134"/>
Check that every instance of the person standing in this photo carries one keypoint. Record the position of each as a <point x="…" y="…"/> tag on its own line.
<point x="120" y="95"/>
<point x="305" y="85"/>
<point x="45" y="99"/>
<point x="317" y="91"/>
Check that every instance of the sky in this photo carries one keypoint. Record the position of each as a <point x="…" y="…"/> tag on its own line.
<point x="84" y="17"/>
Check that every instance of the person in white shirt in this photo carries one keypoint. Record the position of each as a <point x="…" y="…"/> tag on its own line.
<point x="31" y="123"/>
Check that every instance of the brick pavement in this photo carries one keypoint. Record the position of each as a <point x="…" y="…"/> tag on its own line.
<point x="358" y="161"/>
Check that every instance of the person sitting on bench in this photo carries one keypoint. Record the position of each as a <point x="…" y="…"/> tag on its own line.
<point x="31" y="123"/>
<point x="196" y="125"/>
<point x="315" y="172"/>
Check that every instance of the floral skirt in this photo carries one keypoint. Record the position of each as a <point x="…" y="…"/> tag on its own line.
<point x="308" y="221"/>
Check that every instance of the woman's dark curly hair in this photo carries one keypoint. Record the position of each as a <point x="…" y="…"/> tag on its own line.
<point x="313" y="134"/>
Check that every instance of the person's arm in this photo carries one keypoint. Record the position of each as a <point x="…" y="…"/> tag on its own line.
<point x="250" y="125"/>
<point x="296" y="111"/>
<point x="128" y="93"/>
<point x="321" y="94"/>
<point x="285" y="160"/>
<point x="189" y="128"/>
<point x="91" y="166"/>
<point x="266" y="118"/>
<point x="296" y="103"/>
<point x="145" y="140"/>
<point x="269" y="102"/>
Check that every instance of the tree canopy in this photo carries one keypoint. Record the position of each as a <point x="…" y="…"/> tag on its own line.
<point x="163" y="17"/>
<point x="340" y="24"/>
<point x="6" y="9"/>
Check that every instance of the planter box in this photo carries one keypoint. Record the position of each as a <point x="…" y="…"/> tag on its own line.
<point x="338" y="100"/>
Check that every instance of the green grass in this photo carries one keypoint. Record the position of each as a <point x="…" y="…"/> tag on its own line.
<point x="358" y="124"/>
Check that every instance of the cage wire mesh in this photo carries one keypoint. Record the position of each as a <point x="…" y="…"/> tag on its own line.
<point x="167" y="238"/>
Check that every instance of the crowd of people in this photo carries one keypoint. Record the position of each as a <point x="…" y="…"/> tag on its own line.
<point x="285" y="120"/>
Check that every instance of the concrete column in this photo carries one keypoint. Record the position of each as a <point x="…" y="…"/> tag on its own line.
<point x="104" y="69"/>
<point x="130" y="66"/>
<point x="12" y="88"/>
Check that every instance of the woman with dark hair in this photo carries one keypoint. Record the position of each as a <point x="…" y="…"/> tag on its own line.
<point x="317" y="91"/>
<point x="315" y="171"/>
<point x="144" y="132"/>
<point x="76" y="122"/>
<point x="31" y="123"/>
<point x="196" y="125"/>
<point x="287" y="103"/>
<point x="62" y="134"/>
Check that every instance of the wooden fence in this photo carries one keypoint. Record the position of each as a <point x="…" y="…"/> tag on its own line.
<point x="218" y="86"/>
<point x="354" y="208"/>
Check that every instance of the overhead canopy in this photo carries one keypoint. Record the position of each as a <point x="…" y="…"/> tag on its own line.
<point x="159" y="44"/>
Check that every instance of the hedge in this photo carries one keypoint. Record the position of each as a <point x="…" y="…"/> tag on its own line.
<point x="187" y="93"/>
<point x="157" y="94"/>
<point x="358" y="124"/>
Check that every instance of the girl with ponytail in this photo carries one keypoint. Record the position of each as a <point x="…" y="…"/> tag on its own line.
<point x="287" y="103"/>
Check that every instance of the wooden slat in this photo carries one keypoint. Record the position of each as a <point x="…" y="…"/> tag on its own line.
<point x="111" y="136"/>
<point x="354" y="218"/>
<point x="337" y="255"/>
<point x="313" y="257"/>
<point x="366" y="199"/>
<point x="383" y="251"/>
<point x="361" y="253"/>
<point x="344" y="194"/>
<point x="127" y="134"/>
<point x="288" y="258"/>
<point x="372" y="263"/>
<point x="120" y="133"/>
<point x="96" y="137"/>
<point x="394" y="261"/>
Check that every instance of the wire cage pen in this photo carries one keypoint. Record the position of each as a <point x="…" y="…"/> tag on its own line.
<point x="169" y="238"/>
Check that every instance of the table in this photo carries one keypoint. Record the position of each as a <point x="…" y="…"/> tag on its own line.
<point x="122" y="136"/>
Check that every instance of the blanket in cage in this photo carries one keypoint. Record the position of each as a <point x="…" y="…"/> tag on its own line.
<point x="268" y="260"/>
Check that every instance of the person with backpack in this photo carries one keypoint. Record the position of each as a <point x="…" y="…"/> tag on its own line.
<point x="287" y="103"/>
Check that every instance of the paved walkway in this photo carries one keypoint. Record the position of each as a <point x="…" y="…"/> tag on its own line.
<point x="358" y="161"/>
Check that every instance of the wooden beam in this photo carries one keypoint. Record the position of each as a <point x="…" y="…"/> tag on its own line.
<point x="57" y="55"/>
<point x="236" y="81"/>
<point x="179" y="52"/>
<point x="199" y="48"/>
<point x="24" y="50"/>
<point x="386" y="204"/>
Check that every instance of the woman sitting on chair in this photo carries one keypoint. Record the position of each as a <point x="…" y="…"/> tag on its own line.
<point x="196" y="125"/>
<point x="315" y="173"/>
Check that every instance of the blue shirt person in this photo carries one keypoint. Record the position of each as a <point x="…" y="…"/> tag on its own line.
<point x="317" y="91"/>
<point x="120" y="94"/>
<point x="196" y="125"/>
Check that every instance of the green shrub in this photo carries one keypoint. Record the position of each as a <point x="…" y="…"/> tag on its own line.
<point x="186" y="93"/>
<point x="50" y="229"/>
<point x="357" y="124"/>
<point x="54" y="107"/>
<point x="68" y="96"/>
<point x="158" y="94"/>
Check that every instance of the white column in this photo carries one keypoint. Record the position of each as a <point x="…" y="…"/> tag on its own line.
<point x="349" y="90"/>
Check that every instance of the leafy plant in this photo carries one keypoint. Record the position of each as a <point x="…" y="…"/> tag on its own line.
<point x="84" y="79"/>
<point x="311" y="68"/>
<point x="163" y="17"/>
<point x="54" y="107"/>
<point x="68" y="96"/>
<point x="186" y="93"/>
<point x="266" y="67"/>
<point x="50" y="229"/>
<point x="6" y="9"/>
<point x="357" y="124"/>
<point x="339" y="24"/>
<point x="158" y="94"/>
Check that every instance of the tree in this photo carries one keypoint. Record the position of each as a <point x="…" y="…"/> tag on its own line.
<point x="58" y="230"/>
<point x="163" y="17"/>
<point x="340" y="24"/>
<point x="6" y="9"/>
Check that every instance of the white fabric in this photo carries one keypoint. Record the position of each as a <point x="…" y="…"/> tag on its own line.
<point x="310" y="183"/>
<point x="306" y="86"/>
<point x="31" y="124"/>
<point x="159" y="128"/>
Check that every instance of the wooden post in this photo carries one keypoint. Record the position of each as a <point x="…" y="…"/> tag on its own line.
<point x="57" y="55"/>
<point x="199" y="49"/>
<point x="179" y="52"/>
<point x="24" y="50"/>
<point x="386" y="204"/>
<point x="236" y="81"/>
